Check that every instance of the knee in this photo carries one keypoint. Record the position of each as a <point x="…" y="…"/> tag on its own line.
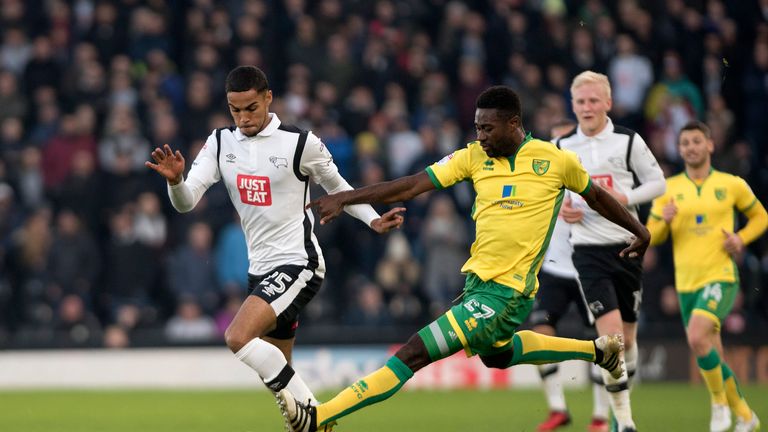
<point x="414" y="353"/>
<point x="497" y="361"/>
<point x="235" y="338"/>
<point x="699" y="343"/>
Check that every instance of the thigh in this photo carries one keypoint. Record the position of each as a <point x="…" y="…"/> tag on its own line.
<point x="286" y="289"/>
<point x="593" y="264"/>
<point x="629" y="287"/>
<point x="715" y="301"/>
<point x="488" y="315"/>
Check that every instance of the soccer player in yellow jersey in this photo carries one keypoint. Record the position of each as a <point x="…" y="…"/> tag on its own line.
<point x="520" y="183"/>
<point x="697" y="210"/>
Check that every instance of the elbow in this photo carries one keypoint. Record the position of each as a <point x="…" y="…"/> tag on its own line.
<point x="182" y="208"/>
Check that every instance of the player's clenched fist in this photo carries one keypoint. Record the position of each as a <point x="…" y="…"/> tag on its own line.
<point x="670" y="211"/>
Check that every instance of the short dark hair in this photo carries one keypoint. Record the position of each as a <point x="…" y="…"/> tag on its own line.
<point x="696" y="125"/>
<point x="501" y="98"/>
<point x="244" y="78"/>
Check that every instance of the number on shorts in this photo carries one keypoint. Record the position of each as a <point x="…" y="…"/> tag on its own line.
<point x="275" y="283"/>
<point x="713" y="291"/>
<point x="473" y="304"/>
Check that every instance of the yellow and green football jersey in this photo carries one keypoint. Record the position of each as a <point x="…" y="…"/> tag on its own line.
<point x="704" y="210"/>
<point x="518" y="199"/>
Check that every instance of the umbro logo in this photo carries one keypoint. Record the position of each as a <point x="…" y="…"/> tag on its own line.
<point x="231" y="158"/>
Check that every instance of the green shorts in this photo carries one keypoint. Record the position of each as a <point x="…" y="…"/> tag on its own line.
<point x="488" y="315"/>
<point x="714" y="301"/>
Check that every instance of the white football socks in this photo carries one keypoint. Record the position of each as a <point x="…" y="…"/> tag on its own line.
<point x="600" y="400"/>
<point x="269" y="362"/>
<point x="553" y="388"/>
<point x="618" y="391"/>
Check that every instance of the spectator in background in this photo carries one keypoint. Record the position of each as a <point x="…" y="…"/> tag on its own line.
<point x="232" y="258"/>
<point x="190" y="323"/>
<point x="444" y="239"/>
<point x="74" y="263"/>
<point x="75" y="324"/>
<point x="132" y="271"/>
<point x="59" y="151"/>
<point x="191" y="269"/>
<point x="42" y="69"/>
<point x="29" y="179"/>
<point x="81" y="191"/>
<point x="123" y="148"/>
<point x="369" y="309"/>
<point x="631" y="75"/>
<point x="149" y="222"/>
<point x="12" y="100"/>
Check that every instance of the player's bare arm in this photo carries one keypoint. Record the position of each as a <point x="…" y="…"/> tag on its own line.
<point x="402" y="189"/>
<point x="608" y="207"/>
<point x="168" y="164"/>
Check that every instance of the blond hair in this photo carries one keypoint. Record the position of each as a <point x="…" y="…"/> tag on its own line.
<point x="590" y="77"/>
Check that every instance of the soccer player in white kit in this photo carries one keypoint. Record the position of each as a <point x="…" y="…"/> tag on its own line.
<point x="559" y="288"/>
<point x="617" y="159"/>
<point x="266" y="167"/>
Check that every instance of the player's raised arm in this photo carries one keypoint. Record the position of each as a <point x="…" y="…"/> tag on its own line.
<point x="608" y="207"/>
<point x="402" y="189"/>
<point x="168" y="164"/>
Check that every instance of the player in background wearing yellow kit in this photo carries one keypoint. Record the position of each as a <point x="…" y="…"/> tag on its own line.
<point x="697" y="210"/>
<point x="520" y="184"/>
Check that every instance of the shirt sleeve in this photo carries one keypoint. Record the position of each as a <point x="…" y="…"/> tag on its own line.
<point x="203" y="174"/>
<point x="757" y="218"/>
<point x="317" y="163"/>
<point x="644" y="164"/>
<point x="451" y="169"/>
<point x="575" y="176"/>
<point x="656" y="225"/>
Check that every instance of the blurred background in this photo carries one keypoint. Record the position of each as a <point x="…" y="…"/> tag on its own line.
<point x="92" y="255"/>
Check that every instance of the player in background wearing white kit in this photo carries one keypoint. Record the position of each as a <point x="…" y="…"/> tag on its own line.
<point x="617" y="159"/>
<point x="266" y="167"/>
<point x="559" y="288"/>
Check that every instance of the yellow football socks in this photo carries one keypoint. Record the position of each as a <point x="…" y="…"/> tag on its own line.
<point x="711" y="371"/>
<point x="735" y="399"/>
<point x="371" y="389"/>
<point x="535" y="348"/>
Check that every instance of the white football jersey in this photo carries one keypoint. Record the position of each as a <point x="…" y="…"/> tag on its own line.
<point x="616" y="158"/>
<point x="558" y="260"/>
<point x="267" y="177"/>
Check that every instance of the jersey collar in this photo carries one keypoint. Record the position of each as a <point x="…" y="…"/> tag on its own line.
<point x="512" y="158"/>
<point x="274" y="123"/>
<point x="602" y="135"/>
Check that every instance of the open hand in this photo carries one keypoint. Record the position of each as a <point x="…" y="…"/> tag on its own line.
<point x="168" y="164"/>
<point x="388" y="221"/>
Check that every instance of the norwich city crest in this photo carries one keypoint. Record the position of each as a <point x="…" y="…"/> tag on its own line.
<point x="540" y="166"/>
<point x="720" y="194"/>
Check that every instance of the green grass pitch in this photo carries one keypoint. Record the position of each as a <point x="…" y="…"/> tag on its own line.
<point x="657" y="407"/>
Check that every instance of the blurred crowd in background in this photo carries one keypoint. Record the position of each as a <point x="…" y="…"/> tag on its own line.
<point x="92" y="254"/>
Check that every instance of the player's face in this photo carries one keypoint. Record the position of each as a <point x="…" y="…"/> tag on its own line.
<point x="250" y="110"/>
<point x="695" y="148"/>
<point x="590" y="103"/>
<point x="494" y="133"/>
